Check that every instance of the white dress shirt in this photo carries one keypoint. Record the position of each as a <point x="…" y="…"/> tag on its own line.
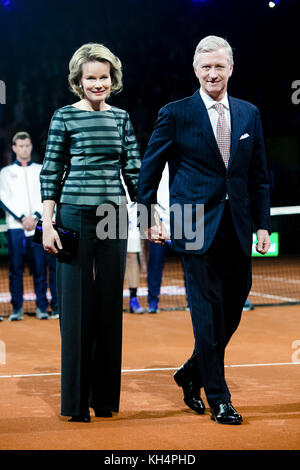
<point x="212" y="112"/>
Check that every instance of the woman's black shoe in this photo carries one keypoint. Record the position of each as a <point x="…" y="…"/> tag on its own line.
<point x="80" y="419"/>
<point x="103" y="412"/>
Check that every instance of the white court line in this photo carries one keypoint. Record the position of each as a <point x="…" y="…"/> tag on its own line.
<point x="273" y="297"/>
<point x="14" y="376"/>
<point x="17" y="376"/>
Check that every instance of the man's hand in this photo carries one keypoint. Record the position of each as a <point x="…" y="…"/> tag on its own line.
<point x="157" y="233"/>
<point x="263" y="241"/>
<point x="28" y="223"/>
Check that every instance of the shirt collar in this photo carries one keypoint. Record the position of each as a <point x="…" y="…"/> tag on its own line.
<point x="210" y="102"/>
<point x="16" y="162"/>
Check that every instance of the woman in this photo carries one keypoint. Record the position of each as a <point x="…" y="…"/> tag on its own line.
<point x="90" y="143"/>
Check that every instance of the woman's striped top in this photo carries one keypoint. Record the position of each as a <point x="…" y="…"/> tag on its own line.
<point x="85" y="153"/>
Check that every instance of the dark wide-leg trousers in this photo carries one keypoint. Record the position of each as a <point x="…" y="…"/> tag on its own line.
<point x="90" y="302"/>
<point x="218" y="284"/>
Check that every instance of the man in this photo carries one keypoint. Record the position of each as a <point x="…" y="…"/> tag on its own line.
<point x="214" y="146"/>
<point x="20" y="198"/>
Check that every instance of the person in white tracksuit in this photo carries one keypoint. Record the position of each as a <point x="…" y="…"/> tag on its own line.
<point x="21" y="200"/>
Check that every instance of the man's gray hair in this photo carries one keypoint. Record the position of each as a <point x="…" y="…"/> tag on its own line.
<point x="211" y="44"/>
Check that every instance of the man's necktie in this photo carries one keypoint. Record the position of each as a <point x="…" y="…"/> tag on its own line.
<point x="223" y="133"/>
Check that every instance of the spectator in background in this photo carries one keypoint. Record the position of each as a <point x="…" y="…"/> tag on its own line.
<point x="132" y="273"/>
<point x="20" y="198"/>
<point x="157" y="253"/>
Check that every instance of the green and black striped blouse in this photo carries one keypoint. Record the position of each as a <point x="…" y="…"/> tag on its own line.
<point x="85" y="153"/>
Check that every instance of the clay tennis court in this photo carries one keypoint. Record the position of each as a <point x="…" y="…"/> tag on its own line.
<point x="262" y="368"/>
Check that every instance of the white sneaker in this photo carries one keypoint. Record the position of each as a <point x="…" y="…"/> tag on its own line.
<point x="16" y="315"/>
<point x="54" y="314"/>
<point x="41" y="315"/>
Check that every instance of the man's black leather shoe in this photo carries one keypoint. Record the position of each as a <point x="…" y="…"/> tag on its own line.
<point x="225" y="413"/>
<point x="191" y="391"/>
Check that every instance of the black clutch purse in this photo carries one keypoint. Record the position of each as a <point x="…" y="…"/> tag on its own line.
<point x="69" y="239"/>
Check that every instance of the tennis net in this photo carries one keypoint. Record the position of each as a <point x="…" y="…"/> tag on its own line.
<point x="276" y="276"/>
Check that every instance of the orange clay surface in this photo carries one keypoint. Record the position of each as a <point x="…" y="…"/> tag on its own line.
<point x="262" y="370"/>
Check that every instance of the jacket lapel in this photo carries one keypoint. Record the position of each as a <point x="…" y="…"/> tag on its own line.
<point x="201" y="118"/>
<point x="236" y="126"/>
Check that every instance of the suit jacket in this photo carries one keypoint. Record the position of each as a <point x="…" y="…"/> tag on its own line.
<point x="183" y="137"/>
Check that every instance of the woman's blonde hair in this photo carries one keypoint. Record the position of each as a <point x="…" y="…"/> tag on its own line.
<point x="93" y="52"/>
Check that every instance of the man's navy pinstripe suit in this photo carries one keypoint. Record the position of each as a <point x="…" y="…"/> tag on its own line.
<point x="218" y="273"/>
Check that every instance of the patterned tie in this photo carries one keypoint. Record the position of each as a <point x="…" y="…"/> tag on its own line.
<point x="223" y="133"/>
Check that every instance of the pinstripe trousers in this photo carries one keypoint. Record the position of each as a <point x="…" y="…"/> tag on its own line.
<point x="218" y="284"/>
<point x="90" y="301"/>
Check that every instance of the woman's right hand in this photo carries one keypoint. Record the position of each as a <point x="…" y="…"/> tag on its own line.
<point x="51" y="240"/>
